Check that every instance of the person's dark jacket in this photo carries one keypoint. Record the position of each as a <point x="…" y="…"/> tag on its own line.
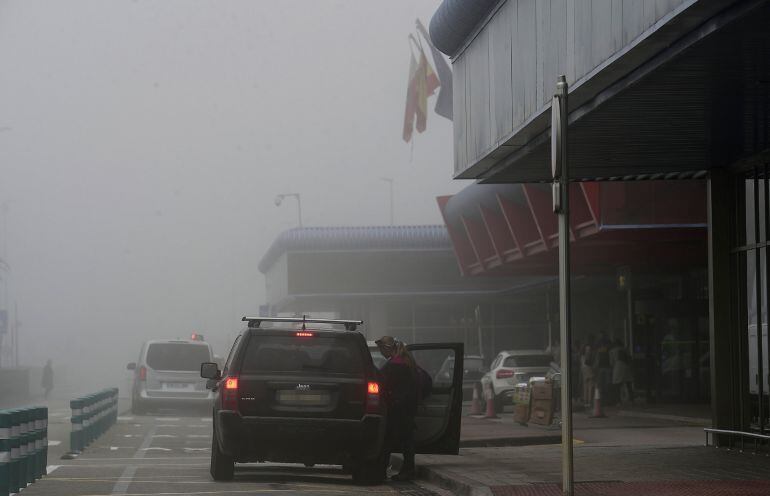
<point x="401" y="387"/>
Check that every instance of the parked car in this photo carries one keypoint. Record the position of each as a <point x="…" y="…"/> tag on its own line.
<point x="513" y="367"/>
<point x="473" y="371"/>
<point x="167" y="374"/>
<point x="294" y="391"/>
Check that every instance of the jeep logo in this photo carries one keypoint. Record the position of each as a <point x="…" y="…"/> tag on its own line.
<point x="303" y="387"/>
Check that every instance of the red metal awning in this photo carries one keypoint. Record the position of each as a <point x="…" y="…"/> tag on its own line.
<point x="510" y="229"/>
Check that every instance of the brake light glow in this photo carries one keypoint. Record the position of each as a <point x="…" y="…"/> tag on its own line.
<point x="373" y="397"/>
<point x="504" y="373"/>
<point x="304" y="334"/>
<point x="142" y="373"/>
<point x="230" y="394"/>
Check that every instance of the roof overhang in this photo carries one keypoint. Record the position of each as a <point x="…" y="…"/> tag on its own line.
<point x="699" y="103"/>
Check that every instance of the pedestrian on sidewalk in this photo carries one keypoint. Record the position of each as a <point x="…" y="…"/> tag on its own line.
<point x="400" y="378"/>
<point x="622" y="373"/>
<point x="587" y="375"/>
<point x="602" y="367"/>
<point x="47" y="381"/>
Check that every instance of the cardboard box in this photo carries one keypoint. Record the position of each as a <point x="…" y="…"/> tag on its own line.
<point x="542" y="390"/>
<point x="521" y="413"/>
<point x="541" y="412"/>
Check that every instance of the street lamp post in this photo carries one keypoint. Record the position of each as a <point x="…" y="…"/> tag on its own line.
<point x="389" y="180"/>
<point x="560" y="176"/>
<point x="279" y="199"/>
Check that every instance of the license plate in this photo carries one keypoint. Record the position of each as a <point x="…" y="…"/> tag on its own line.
<point x="303" y="398"/>
<point x="177" y="385"/>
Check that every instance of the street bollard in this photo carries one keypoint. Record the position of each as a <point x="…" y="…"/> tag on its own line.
<point x="13" y="466"/>
<point x="23" y="442"/>
<point x="5" y="452"/>
<point x="44" y="463"/>
<point x="92" y="416"/>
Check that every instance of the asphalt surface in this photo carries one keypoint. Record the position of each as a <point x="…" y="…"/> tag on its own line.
<point x="169" y="455"/>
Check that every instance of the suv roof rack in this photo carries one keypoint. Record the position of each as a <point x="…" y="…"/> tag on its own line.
<point x="254" y="322"/>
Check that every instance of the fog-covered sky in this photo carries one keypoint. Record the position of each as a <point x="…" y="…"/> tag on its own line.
<point x="142" y="144"/>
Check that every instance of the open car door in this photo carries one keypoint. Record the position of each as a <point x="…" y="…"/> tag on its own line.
<point x="439" y="414"/>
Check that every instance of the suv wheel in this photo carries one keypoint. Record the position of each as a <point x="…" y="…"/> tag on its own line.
<point x="371" y="471"/>
<point x="222" y="466"/>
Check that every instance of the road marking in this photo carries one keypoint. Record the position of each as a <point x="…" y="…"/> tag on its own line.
<point x="205" y="419"/>
<point x="167" y="419"/>
<point x="199" y="435"/>
<point x="125" y="419"/>
<point x="197" y="426"/>
<point x="51" y="468"/>
<point x="164" y="435"/>
<point x="113" y="448"/>
<point x="53" y="443"/>
<point x="168" y="425"/>
<point x="121" y="486"/>
<point x="155" y="449"/>
<point x="197" y="449"/>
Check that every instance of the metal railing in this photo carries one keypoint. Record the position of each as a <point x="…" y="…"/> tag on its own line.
<point x="23" y="447"/>
<point x="742" y="435"/>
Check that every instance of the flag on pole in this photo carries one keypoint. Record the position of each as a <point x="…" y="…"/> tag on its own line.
<point x="411" y="101"/>
<point x="427" y="83"/>
<point x="444" y="99"/>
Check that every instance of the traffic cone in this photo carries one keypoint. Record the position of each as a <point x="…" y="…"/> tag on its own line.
<point x="490" y="396"/>
<point x="476" y="402"/>
<point x="598" y="411"/>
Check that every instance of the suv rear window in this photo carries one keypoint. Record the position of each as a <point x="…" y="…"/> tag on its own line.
<point x="325" y="355"/>
<point x="177" y="356"/>
<point x="528" y="361"/>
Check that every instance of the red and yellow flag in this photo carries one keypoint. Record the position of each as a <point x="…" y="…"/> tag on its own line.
<point x="423" y="82"/>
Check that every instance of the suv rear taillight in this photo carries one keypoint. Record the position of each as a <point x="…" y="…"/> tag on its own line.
<point x="372" y="397"/>
<point x="230" y="393"/>
<point x="142" y="373"/>
<point x="504" y="373"/>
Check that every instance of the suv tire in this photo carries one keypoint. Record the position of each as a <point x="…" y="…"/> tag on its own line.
<point x="371" y="472"/>
<point x="222" y="466"/>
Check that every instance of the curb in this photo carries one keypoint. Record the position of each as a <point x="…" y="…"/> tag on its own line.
<point x="456" y="484"/>
<point x="511" y="441"/>
<point x="661" y="416"/>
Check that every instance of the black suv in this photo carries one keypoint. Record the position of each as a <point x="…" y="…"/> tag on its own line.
<point x="307" y="391"/>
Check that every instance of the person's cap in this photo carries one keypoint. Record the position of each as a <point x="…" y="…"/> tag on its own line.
<point x="385" y="341"/>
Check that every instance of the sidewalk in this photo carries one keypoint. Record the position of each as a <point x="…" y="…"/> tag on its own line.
<point x="618" y="455"/>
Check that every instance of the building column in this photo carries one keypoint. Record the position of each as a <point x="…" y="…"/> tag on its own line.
<point x="721" y="328"/>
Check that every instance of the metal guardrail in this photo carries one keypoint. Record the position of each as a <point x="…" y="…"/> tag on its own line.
<point x="92" y="416"/>
<point x="757" y="438"/>
<point x="23" y="447"/>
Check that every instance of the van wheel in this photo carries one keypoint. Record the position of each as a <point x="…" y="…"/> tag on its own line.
<point x="371" y="472"/>
<point x="137" y="408"/>
<point x="222" y="466"/>
<point x="500" y="404"/>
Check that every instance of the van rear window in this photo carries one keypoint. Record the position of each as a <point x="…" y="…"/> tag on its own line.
<point x="177" y="356"/>
<point x="323" y="355"/>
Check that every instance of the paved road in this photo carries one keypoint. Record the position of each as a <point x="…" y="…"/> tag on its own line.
<point x="169" y="455"/>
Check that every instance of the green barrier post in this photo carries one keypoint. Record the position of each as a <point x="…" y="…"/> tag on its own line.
<point x="5" y="452"/>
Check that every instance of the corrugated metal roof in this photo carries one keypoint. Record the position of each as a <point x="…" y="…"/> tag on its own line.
<point x="428" y="237"/>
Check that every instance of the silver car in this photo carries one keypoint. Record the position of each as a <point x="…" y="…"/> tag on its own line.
<point x="167" y="374"/>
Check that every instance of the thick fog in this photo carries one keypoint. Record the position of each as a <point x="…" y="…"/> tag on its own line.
<point x="142" y="144"/>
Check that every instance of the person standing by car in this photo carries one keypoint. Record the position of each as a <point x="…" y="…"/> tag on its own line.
<point x="401" y="384"/>
<point x="47" y="380"/>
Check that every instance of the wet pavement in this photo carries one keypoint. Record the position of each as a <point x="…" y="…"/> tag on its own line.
<point x="169" y="455"/>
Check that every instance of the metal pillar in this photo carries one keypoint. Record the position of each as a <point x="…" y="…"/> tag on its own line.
<point x="560" y="173"/>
